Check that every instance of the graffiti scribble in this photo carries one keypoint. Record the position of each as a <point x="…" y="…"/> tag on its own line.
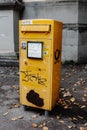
<point x="30" y="77"/>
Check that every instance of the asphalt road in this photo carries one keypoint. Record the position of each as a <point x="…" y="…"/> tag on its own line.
<point x="69" y="113"/>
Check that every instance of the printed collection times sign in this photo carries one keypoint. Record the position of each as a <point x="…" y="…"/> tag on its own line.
<point x="35" y="50"/>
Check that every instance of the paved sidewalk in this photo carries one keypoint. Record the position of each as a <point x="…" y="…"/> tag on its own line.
<point x="69" y="113"/>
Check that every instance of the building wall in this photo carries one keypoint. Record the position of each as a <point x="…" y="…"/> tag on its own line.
<point x="6" y="32"/>
<point x="9" y="40"/>
<point x="82" y="19"/>
<point x="9" y="26"/>
<point x="65" y="11"/>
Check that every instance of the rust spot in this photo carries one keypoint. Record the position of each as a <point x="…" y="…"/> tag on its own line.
<point x="34" y="98"/>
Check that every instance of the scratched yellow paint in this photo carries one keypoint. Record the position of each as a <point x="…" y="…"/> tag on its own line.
<point x="40" y="78"/>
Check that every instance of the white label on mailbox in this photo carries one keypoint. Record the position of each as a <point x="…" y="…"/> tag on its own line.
<point x="26" y="22"/>
<point x="35" y="50"/>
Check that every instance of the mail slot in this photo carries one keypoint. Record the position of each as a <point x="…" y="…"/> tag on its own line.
<point x="40" y="44"/>
<point x="36" y="28"/>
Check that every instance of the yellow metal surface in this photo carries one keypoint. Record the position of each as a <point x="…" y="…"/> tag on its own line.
<point x="41" y="28"/>
<point x="40" y="78"/>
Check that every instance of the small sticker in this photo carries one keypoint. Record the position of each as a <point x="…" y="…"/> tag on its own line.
<point x="24" y="45"/>
<point x="26" y="22"/>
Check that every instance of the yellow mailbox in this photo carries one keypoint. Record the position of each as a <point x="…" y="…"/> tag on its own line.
<point x="40" y="62"/>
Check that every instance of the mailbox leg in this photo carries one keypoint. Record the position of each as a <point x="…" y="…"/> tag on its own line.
<point x="25" y="107"/>
<point x="46" y="113"/>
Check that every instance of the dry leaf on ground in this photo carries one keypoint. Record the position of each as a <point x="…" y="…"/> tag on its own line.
<point x="58" y="117"/>
<point x="6" y="113"/>
<point x="44" y="124"/>
<point x="80" y="117"/>
<point x="34" y="125"/>
<point x="20" y="117"/>
<point x="85" y="124"/>
<point x="82" y="128"/>
<point x="16" y="106"/>
<point x="61" y="121"/>
<point x="40" y="126"/>
<point x="83" y="106"/>
<point x="70" y="127"/>
<point x="34" y="116"/>
<point x="14" y="118"/>
<point x="72" y="99"/>
<point x="45" y="128"/>
<point x="67" y="94"/>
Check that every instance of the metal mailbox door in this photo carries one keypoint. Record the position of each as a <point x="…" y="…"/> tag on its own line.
<point x="35" y="77"/>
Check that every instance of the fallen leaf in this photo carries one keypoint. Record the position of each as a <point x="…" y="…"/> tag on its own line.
<point x="80" y="117"/>
<point x="72" y="99"/>
<point x="68" y="75"/>
<point x="34" y="125"/>
<point x="74" y="89"/>
<point x="66" y="107"/>
<point x="78" y="82"/>
<point x="6" y="113"/>
<point x="34" y="116"/>
<point x="75" y="119"/>
<point x="62" y="89"/>
<point x="67" y="94"/>
<point x="45" y="128"/>
<point x="20" y="117"/>
<point x="83" y="99"/>
<point x="61" y="121"/>
<point x="58" y="117"/>
<point x="9" y="107"/>
<point x="82" y="128"/>
<point x="85" y="95"/>
<point x="70" y="126"/>
<point x="40" y="126"/>
<point x="85" y="124"/>
<point x="75" y="85"/>
<point x="16" y="106"/>
<point x="14" y="118"/>
<point x="76" y="103"/>
<point x="15" y="87"/>
<point x="83" y="106"/>
<point x="44" y="124"/>
<point x="81" y="79"/>
<point x="83" y="82"/>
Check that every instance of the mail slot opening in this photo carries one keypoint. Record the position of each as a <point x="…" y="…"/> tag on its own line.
<point x="36" y="28"/>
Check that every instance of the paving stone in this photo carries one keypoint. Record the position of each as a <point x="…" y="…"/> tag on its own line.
<point x="6" y="87"/>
